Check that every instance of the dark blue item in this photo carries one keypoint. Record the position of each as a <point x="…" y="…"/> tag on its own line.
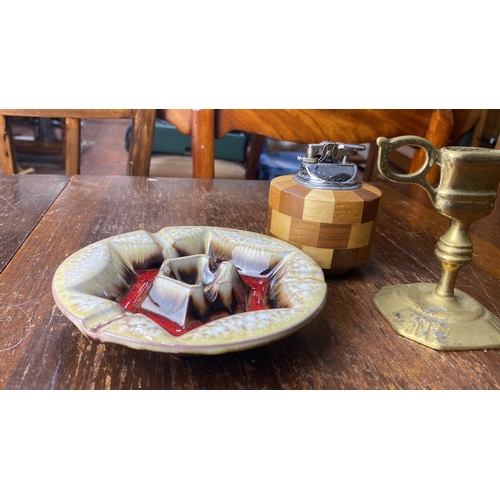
<point x="273" y="165"/>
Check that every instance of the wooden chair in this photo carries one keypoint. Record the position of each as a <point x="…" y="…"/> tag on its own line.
<point x="143" y="121"/>
<point x="316" y="125"/>
<point x="487" y="129"/>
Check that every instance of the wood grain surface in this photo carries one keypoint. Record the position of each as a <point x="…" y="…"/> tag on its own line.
<point x="23" y="201"/>
<point x="344" y="125"/>
<point x="348" y="345"/>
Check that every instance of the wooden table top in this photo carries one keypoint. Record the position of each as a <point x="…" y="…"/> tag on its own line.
<point x="349" y="345"/>
<point x="24" y="199"/>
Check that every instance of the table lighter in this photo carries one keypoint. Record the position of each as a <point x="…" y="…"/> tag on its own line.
<point x="324" y="209"/>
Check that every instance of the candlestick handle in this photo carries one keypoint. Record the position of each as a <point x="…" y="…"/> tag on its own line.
<point x="386" y="146"/>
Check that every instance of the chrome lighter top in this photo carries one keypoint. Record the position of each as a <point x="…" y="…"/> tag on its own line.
<point x="327" y="166"/>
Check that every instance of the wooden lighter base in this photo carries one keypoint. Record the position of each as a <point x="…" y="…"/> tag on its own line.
<point x="334" y="227"/>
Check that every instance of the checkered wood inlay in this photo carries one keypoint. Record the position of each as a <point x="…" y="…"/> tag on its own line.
<point x="334" y="227"/>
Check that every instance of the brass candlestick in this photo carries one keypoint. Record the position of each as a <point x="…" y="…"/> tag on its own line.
<point x="441" y="316"/>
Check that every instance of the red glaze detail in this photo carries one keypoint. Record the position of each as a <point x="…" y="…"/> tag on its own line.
<point x="257" y="299"/>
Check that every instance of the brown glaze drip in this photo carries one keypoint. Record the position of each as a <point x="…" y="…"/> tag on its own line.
<point x="257" y="298"/>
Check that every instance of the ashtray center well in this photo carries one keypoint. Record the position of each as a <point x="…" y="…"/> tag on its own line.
<point x="193" y="288"/>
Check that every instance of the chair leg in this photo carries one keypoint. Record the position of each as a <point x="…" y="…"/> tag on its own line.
<point x="7" y="151"/>
<point x="141" y="143"/>
<point x="202" y="143"/>
<point x="71" y="145"/>
<point x="478" y="129"/>
<point x="252" y="160"/>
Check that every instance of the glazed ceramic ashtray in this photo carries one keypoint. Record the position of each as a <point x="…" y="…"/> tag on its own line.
<point x="192" y="290"/>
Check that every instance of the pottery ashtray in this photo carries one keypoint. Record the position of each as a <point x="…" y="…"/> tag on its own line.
<point x="192" y="290"/>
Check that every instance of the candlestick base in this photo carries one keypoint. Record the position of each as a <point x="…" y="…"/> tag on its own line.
<point x="416" y="312"/>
